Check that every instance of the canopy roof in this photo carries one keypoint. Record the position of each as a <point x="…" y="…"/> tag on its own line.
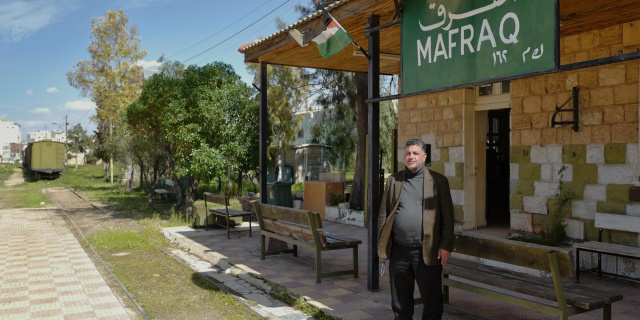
<point x="576" y="16"/>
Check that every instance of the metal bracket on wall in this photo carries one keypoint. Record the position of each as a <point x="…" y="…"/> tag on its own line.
<point x="576" y="115"/>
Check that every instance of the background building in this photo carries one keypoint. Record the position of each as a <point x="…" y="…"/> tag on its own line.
<point x="54" y="135"/>
<point x="10" y="132"/>
<point x="38" y="135"/>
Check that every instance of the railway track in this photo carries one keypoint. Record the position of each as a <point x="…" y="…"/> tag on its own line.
<point x="87" y="219"/>
<point x="83" y="217"/>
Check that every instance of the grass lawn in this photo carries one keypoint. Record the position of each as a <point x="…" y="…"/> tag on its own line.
<point x="163" y="287"/>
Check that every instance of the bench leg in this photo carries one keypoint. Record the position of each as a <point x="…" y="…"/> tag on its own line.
<point x="606" y="311"/>
<point x="355" y="261"/>
<point x="578" y="265"/>
<point x="599" y="265"/>
<point x="228" y="230"/>
<point x="445" y="290"/>
<point x="295" y="250"/>
<point x="262" y="253"/>
<point x="318" y="266"/>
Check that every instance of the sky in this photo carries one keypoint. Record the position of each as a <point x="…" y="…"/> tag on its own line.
<point x="41" y="40"/>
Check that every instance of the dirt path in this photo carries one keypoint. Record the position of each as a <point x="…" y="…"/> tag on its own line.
<point x="15" y="179"/>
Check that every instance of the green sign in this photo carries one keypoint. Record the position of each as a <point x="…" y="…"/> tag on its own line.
<point x="451" y="43"/>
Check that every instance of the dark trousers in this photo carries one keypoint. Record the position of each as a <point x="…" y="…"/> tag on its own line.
<point x="406" y="268"/>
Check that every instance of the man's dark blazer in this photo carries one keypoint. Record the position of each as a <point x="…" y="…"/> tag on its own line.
<point x="437" y="217"/>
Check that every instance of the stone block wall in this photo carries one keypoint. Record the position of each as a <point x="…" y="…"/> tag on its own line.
<point x="576" y="174"/>
<point x="575" y="181"/>
<point x="600" y="43"/>
<point x="608" y="104"/>
<point x="438" y="113"/>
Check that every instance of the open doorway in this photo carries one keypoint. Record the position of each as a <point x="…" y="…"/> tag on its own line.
<point x="497" y="168"/>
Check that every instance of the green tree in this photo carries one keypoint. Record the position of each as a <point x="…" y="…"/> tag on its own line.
<point x="77" y="141"/>
<point x="111" y="77"/>
<point x="149" y="146"/>
<point x="207" y="125"/>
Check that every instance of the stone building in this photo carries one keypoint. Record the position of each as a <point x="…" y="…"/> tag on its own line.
<point x="512" y="159"/>
<point x="550" y="169"/>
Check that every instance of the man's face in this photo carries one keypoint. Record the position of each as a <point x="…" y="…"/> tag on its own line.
<point x="414" y="157"/>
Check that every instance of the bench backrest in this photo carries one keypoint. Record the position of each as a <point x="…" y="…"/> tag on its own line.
<point x="617" y="222"/>
<point x="513" y="252"/>
<point x="168" y="185"/>
<point x="294" y="223"/>
<point x="215" y="198"/>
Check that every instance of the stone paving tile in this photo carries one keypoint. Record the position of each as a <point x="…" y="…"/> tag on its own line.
<point x="45" y="273"/>
<point x="348" y="298"/>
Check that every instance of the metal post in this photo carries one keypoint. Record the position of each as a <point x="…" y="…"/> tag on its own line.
<point x="263" y="132"/>
<point x="373" y="201"/>
<point x="66" y="149"/>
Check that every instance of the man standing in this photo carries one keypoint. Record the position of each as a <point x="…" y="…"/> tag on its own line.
<point x="416" y="233"/>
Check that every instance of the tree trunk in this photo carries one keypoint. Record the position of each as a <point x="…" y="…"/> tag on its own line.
<point x="189" y="198"/>
<point x="141" y="165"/>
<point x="76" y="161"/>
<point x="280" y="154"/>
<point x="130" y="177"/>
<point x="239" y="182"/>
<point x="150" y="188"/>
<point x="179" y="194"/>
<point x="111" y="154"/>
<point x="255" y="188"/>
<point x="356" y="200"/>
<point x="151" y="185"/>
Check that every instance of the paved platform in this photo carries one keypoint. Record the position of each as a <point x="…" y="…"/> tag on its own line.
<point x="348" y="298"/>
<point x="46" y="274"/>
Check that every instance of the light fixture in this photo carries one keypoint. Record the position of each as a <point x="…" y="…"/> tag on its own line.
<point x="383" y="56"/>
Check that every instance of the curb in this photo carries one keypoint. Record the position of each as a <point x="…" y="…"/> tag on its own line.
<point x="220" y="265"/>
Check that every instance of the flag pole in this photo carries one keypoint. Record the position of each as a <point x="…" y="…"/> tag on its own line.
<point x="364" y="52"/>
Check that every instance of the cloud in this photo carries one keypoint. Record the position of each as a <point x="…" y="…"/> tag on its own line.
<point x="52" y="90"/>
<point x="33" y="123"/>
<point x="149" y="67"/>
<point x="29" y="93"/>
<point x="21" y="18"/>
<point x="79" y="105"/>
<point x="132" y="4"/>
<point x="40" y="111"/>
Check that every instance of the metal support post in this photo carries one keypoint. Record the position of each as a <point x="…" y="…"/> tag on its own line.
<point x="373" y="205"/>
<point x="263" y="132"/>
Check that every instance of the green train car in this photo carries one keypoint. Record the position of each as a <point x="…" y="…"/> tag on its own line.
<point x="45" y="159"/>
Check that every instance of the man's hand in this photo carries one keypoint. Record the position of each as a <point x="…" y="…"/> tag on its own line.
<point x="444" y="256"/>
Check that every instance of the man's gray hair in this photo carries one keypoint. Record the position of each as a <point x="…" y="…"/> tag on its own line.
<point x="415" y="142"/>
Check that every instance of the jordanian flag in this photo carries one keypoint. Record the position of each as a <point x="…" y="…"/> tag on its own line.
<point x="332" y="40"/>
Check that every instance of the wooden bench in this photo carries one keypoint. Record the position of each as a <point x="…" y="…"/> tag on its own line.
<point x="610" y="222"/>
<point x="223" y="211"/>
<point x="552" y="296"/>
<point x="302" y="228"/>
<point x="167" y="190"/>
